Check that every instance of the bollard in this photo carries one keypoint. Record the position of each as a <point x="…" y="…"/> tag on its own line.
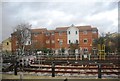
<point x="99" y="71"/>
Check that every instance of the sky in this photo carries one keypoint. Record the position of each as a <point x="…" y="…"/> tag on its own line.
<point x="102" y="14"/>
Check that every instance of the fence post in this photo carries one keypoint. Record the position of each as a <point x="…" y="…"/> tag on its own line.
<point x="53" y="69"/>
<point x="99" y="71"/>
<point x="15" y="67"/>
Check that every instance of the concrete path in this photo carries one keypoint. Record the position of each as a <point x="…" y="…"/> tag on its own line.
<point x="5" y="77"/>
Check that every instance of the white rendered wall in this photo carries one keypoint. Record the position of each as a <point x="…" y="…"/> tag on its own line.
<point x="72" y="36"/>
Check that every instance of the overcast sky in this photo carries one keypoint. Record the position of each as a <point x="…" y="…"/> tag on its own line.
<point x="103" y="15"/>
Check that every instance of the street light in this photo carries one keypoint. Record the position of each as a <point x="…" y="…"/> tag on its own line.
<point x="60" y="43"/>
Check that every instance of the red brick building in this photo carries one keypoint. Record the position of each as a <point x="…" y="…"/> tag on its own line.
<point x="61" y="37"/>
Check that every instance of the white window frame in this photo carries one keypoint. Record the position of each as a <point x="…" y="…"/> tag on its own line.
<point x="60" y="33"/>
<point x="94" y="31"/>
<point x="84" y="40"/>
<point x="53" y="41"/>
<point x="85" y="49"/>
<point x="47" y="34"/>
<point x="47" y="41"/>
<point x="52" y="33"/>
<point x="85" y="32"/>
<point x="16" y="43"/>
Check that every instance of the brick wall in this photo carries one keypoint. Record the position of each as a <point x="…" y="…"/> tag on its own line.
<point x="41" y="39"/>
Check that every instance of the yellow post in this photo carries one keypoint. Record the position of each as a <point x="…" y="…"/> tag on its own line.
<point x="101" y="49"/>
<point x="104" y="51"/>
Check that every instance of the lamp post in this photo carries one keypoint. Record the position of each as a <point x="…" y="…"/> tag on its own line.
<point x="60" y="43"/>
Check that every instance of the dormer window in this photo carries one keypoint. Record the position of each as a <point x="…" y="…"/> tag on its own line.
<point x="60" y="33"/>
<point x="84" y="32"/>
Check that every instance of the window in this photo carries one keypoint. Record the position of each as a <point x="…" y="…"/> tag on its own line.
<point x="76" y="41"/>
<point x="94" y="40"/>
<point x="76" y="32"/>
<point x="94" y="48"/>
<point x="60" y="33"/>
<point x="47" y="34"/>
<point x="85" y="40"/>
<point x="7" y="43"/>
<point x="52" y="33"/>
<point x="47" y="41"/>
<point x="53" y="41"/>
<point x="69" y="32"/>
<point x="85" y="49"/>
<point x="16" y="43"/>
<point x="69" y="41"/>
<point x="36" y="33"/>
<point x="94" y="31"/>
<point x="84" y="32"/>
<point x="29" y="42"/>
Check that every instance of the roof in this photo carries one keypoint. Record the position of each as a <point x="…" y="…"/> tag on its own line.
<point x="64" y="29"/>
<point x="81" y="28"/>
<point x="8" y="39"/>
<point x="95" y="29"/>
<point x="50" y="31"/>
<point x="61" y="28"/>
<point x="39" y="30"/>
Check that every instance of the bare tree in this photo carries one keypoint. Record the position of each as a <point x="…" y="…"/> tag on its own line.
<point x="23" y="35"/>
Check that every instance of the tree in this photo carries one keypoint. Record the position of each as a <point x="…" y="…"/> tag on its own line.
<point x="117" y="43"/>
<point x="73" y="47"/>
<point x="23" y="35"/>
<point x="112" y="43"/>
<point x="63" y="49"/>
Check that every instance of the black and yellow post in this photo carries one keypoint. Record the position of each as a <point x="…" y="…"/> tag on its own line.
<point x="101" y="50"/>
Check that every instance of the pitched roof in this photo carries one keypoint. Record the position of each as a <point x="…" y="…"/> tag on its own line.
<point x="62" y="28"/>
<point x="39" y="30"/>
<point x="83" y="28"/>
<point x="8" y="39"/>
<point x="95" y="29"/>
